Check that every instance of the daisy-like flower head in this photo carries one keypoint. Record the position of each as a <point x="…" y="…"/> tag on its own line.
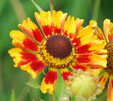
<point x="60" y="44"/>
<point x="108" y="72"/>
<point x="83" y="86"/>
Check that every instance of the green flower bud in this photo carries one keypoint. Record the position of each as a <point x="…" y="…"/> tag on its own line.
<point x="84" y="86"/>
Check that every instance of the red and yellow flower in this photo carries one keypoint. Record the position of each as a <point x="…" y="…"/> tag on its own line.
<point x="108" y="72"/>
<point x="61" y="43"/>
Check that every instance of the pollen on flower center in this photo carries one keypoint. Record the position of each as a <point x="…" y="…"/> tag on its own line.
<point x="109" y="48"/>
<point x="59" y="46"/>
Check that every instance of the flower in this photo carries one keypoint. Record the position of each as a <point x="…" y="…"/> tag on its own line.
<point x="83" y="86"/>
<point x="61" y="43"/>
<point x="108" y="72"/>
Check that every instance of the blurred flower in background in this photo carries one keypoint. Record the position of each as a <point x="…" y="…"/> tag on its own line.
<point x="108" y="72"/>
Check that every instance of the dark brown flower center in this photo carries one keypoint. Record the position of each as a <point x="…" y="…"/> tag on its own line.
<point x="59" y="46"/>
<point x="109" y="48"/>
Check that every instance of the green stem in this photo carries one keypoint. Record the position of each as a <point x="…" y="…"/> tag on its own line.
<point x="1" y="83"/>
<point x="50" y="97"/>
<point x="37" y="6"/>
<point x="105" y="38"/>
<point x="72" y="98"/>
<point x="51" y="5"/>
<point x="96" y="9"/>
<point x="55" y="96"/>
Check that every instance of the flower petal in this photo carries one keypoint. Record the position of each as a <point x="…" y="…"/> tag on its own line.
<point x="103" y="79"/>
<point x="110" y="34"/>
<point x="106" y="27"/>
<point x="44" y="19"/>
<point x="65" y="74"/>
<point x="49" y="81"/>
<point x="20" y="40"/>
<point x="98" y="31"/>
<point x="84" y="36"/>
<point x="79" y="23"/>
<point x="58" y="21"/>
<point x="70" y="27"/>
<point x="110" y="89"/>
<point x="34" y="68"/>
<point x="79" y="66"/>
<point x="21" y="57"/>
<point x="97" y="45"/>
<point x="93" y="46"/>
<point x="95" y="72"/>
<point x="31" y="29"/>
<point x="98" y="61"/>
<point x="83" y="58"/>
<point x="92" y="60"/>
<point x="83" y="49"/>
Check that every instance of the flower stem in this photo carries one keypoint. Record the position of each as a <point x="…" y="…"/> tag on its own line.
<point x="51" y="5"/>
<point x="50" y="97"/>
<point x="37" y="6"/>
<point x="96" y="9"/>
<point x="55" y="96"/>
<point x="105" y="38"/>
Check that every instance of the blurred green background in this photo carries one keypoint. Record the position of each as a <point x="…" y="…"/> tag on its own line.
<point x="12" y="12"/>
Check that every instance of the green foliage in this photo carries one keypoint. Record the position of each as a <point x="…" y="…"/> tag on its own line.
<point x="33" y="84"/>
<point x="2" y="4"/>
<point x="60" y="88"/>
<point x="13" y="96"/>
<point x="103" y="96"/>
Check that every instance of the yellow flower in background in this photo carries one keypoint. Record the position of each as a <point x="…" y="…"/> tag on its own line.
<point x="108" y="72"/>
<point x="60" y="44"/>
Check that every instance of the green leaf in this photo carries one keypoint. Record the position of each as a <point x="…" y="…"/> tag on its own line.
<point x="2" y="5"/>
<point x="103" y="95"/>
<point x="13" y="96"/>
<point x="33" y="84"/>
<point x="38" y="99"/>
<point x="73" y="98"/>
